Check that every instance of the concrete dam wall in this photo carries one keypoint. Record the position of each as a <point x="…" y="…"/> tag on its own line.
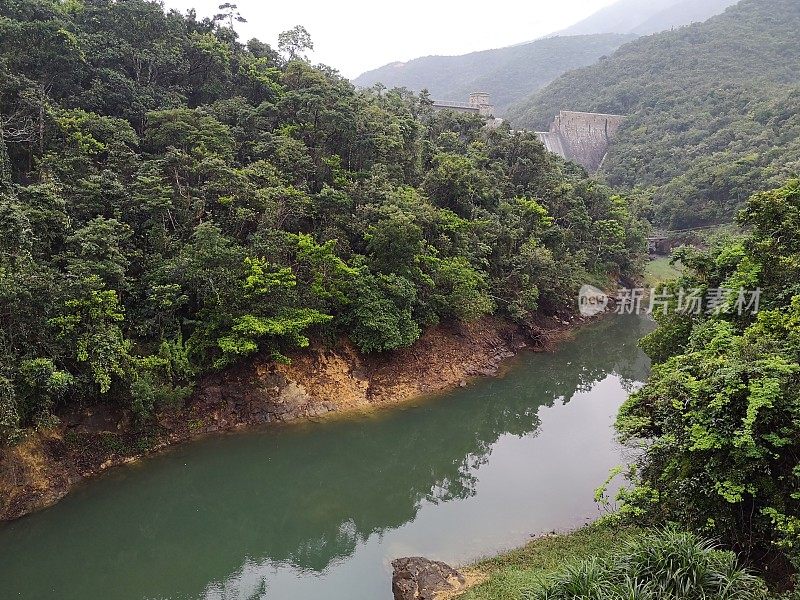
<point x="581" y="137"/>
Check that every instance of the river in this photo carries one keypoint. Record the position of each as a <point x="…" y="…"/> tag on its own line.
<point x="318" y="510"/>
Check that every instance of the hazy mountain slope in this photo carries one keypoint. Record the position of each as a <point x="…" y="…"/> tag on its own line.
<point x="647" y="16"/>
<point x="682" y="13"/>
<point x="714" y="109"/>
<point x="508" y="74"/>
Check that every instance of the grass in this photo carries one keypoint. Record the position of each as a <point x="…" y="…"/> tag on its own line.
<point x="661" y="564"/>
<point x="509" y="575"/>
<point x="659" y="271"/>
<point x="607" y="563"/>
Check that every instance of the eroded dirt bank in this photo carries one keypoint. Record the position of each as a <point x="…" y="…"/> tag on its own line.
<point x="320" y="381"/>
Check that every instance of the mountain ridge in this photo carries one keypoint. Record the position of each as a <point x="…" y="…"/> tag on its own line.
<point x="508" y="74"/>
<point x="511" y="73"/>
<point x="713" y="110"/>
<point x="645" y="18"/>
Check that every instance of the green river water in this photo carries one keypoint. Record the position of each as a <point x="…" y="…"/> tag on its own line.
<point x="317" y="511"/>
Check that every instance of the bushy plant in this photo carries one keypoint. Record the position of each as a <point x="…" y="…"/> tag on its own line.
<point x="668" y="564"/>
<point x="720" y="414"/>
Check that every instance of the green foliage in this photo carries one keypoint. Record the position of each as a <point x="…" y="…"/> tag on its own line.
<point x="294" y="42"/>
<point x="9" y="415"/>
<point x="670" y="338"/>
<point x="661" y="565"/>
<point x="713" y="110"/>
<point x="261" y="308"/>
<point x="175" y="201"/>
<point x="513" y="574"/>
<point x="40" y="387"/>
<point x="461" y="291"/>
<point x="456" y="183"/>
<point x="721" y="411"/>
<point x="5" y="164"/>
<point x="160" y="380"/>
<point x="90" y="326"/>
<point x="247" y="330"/>
<point x="381" y="313"/>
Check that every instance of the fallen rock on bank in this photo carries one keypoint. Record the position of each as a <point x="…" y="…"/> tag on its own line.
<point x="417" y="578"/>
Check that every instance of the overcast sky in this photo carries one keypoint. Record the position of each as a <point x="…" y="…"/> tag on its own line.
<point x="356" y="35"/>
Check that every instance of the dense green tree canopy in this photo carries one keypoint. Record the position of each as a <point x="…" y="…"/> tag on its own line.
<point x="721" y="411"/>
<point x="174" y="201"/>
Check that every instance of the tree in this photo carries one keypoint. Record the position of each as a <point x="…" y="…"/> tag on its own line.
<point x="40" y="387"/>
<point x="90" y="324"/>
<point x="720" y="413"/>
<point x="295" y="42"/>
<point x="456" y="183"/>
<point x="380" y="316"/>
<point x="5" y="163"/>
<point x="9" y="416"/>
<point x="15" y="128"/>
<point x="98" y="250"/>
<point x="261" y="312"/>
<point x="395" y="243"/>
<point x="229" y="12"/>
<point x="461" y="291"/>
<point x="174" y="202"/>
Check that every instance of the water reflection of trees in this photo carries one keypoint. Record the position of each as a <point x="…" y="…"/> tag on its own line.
<point x="433" y="453"/>
<point x="310" y="497"/>
<point x="375" y="477"/>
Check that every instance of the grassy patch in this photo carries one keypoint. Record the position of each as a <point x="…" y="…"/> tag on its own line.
<point x="659" y="271"/>
<point x="512" y="573"/>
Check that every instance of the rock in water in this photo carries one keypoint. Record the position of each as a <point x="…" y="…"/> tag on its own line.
<point x="418" y="578"/>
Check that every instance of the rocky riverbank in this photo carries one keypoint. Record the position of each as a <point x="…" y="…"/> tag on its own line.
<point x="319" y="382"/>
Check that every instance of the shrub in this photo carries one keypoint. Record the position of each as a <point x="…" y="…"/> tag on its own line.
<point x="9" y="417"/>
<point x="660" y="565"/>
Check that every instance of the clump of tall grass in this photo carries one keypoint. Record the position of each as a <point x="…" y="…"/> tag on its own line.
<point x="661" y="565"/>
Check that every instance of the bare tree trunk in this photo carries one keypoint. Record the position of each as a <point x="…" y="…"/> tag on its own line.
<point x="41" y="122"/>
<point x="5" y="162"/>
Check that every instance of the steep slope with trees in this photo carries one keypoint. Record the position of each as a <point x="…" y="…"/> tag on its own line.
<point x="173" y="202"/>
<point x="721" y="412"/>
<point x="508" y="74"/>
<point x="713" y="110"/>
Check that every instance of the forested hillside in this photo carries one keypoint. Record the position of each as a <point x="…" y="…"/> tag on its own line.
<point x="683" y="13"/>
<point x="644" y="17"/>
<point x="719" y="414"/>
<point x="714" y="110"/>
<point x="173" y="201"/>
<point x="508" y="74"/>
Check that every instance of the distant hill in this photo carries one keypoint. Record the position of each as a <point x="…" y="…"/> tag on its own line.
<point x="714" y="109"/>
<point x="508" y="74"/>
<point x="644" y="17"/>
<point x="515" y="72"/>
<point x="683" y="13"/>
